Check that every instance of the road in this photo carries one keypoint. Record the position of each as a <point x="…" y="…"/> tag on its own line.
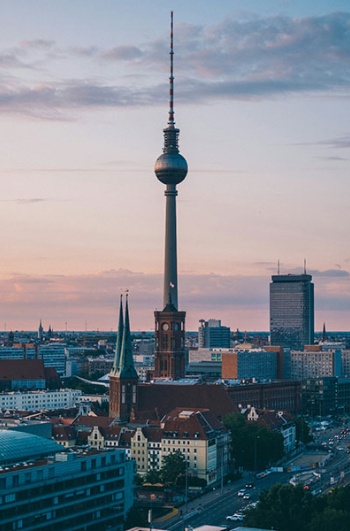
<point x="212" y="508"/>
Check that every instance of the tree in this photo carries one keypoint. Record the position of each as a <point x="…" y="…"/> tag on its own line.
<point x="330" y="519"/>
<point x="302" y="430"/>
<point x="136" y="517"/>
<point x="153" y="476"/>
<point x="288" y="507"/>
<point x="332" y="511"/>
<point x="253" y="447"/>
<point x="174" y="466"/>
<point x="284" y="507"/>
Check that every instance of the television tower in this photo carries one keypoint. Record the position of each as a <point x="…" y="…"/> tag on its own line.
<point x="170" y="169"/>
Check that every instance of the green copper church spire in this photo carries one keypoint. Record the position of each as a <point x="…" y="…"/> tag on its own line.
<point x="118" y="347"/>
<point x="126" y="361"/>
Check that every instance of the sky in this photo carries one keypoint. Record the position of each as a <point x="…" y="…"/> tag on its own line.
<point x="262" y="93"/>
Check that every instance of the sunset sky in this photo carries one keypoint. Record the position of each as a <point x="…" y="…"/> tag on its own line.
<point x="262" y="93"/>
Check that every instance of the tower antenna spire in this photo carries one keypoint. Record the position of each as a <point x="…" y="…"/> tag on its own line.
<point x="171" y="121"/>
<point x="170" y="169"/>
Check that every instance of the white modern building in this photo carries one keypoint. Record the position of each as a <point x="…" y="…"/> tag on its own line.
<point x="37" y="400"/>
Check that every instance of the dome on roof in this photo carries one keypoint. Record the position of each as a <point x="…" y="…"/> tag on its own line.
<point x="18" y="446"/>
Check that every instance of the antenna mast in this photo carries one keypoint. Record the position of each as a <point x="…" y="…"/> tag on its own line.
<point x="171" y="121"/>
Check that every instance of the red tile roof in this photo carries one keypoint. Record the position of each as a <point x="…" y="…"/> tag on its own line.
<point x="22" y="369"/>
<point x="156" y="400"/>
<point x="63" y="433"/>
<point x="88" y="421"/>
<point x="199" y="423"/>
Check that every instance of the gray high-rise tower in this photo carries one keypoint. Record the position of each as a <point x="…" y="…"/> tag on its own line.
<point x="170" y="169"/>
<point x="292" y="311"/>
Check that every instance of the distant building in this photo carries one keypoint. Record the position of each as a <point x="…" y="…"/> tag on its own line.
<point x="313" y="362"/>
<point x="53" y="354"/>
<point x="346" y="363"/>
<point x="326" y="396"/>
<point x="246" y="364"/>
<point x="206" y="354"/>
<point x="281" y="395"/>
<point x="292" y="311"/>
<point x="18" y="374"/>
<point x="211" y="334"/>
<point x="44" y="487"/>
<point x="38" y="400"/>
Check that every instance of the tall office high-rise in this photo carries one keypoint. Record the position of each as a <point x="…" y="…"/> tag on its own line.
<point x="292" y="311"/>
<point x="170" y="169"/>
<point x="211" y="334"/>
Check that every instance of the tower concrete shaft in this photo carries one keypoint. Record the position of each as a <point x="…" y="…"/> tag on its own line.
<point x="170" y="255"/>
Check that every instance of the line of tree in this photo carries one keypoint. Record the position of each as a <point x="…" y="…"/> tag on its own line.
<point x="291" y="508"/>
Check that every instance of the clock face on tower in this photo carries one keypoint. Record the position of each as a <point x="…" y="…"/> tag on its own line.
<point x="165" y="326"/>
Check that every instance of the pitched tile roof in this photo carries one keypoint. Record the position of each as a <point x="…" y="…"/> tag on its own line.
<point x="63" y="433"/>
<point x="200" y="423"/>
<point x="88" y="421"/>
<point x="154" y="401"/>
<point x="22" y="369"/>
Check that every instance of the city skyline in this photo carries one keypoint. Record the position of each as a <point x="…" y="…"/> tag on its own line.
<point x="261" y="101"/>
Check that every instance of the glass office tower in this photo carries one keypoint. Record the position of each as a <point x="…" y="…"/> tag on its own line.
<point x="292" y="311"/>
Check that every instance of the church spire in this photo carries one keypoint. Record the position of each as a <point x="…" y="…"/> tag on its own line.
<point x="119" y="337"/>
<point x="123" y="378"/>
<point x="126" y="361"/>
<point x="40" y="331"/>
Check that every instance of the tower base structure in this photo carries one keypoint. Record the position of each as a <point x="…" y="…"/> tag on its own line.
<point x="123" y="398"/>
<point x="169" y="359"/>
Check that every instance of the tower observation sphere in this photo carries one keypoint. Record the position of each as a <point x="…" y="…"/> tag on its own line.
<point x="171" y="168"/>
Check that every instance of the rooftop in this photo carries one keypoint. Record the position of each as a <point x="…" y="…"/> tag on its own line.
<point x="18" y="446"/>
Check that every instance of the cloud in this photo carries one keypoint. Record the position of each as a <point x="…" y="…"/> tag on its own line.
<point x="239" y="301"/>
<point x="28" y="201"/>
<point x="250" y="58"/>
<point x="37" y="44"/>
<point x="334" y="158"/>
<point x="123" y="53"/>
<point x="338" y="143"/>
<point x="330" y="273"/>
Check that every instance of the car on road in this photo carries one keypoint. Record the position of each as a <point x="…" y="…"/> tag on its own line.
<point x="246" y="496"/>
<point x="241" y="492"/>
<point x="249" y="486"/>
<point x="237" y="517"/>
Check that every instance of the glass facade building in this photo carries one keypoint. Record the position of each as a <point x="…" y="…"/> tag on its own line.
<point x="292" y="311"/>
<point x="43" y="487"/>
<point x="211" y="334"/>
